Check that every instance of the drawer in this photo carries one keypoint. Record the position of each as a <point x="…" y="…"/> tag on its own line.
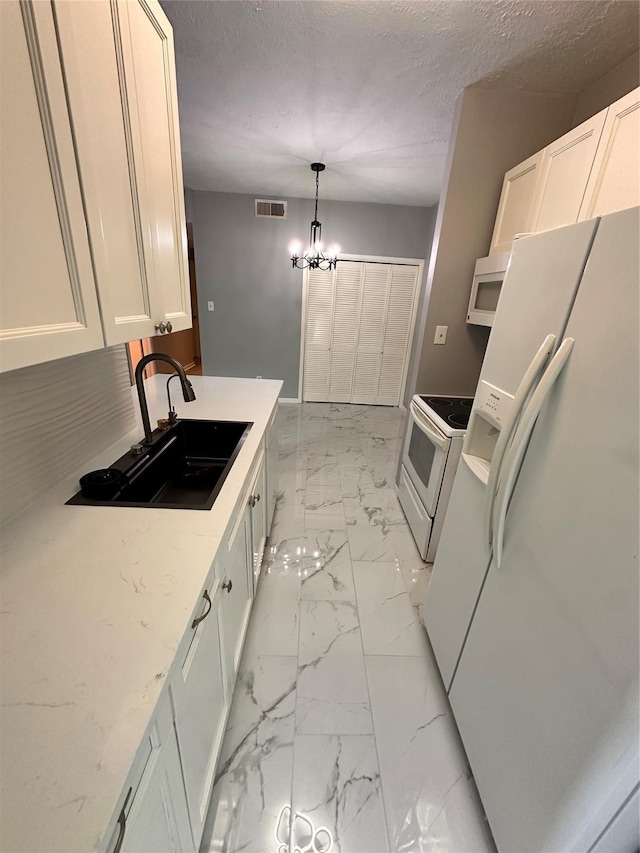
<point x="416" y="515"/>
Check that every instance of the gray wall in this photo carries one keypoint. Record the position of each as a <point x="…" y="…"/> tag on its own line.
<point x="493" y="130"/>
<point x="242" y="264"/>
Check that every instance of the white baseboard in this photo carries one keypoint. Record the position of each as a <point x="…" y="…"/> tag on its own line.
<point x="288" y="400"/>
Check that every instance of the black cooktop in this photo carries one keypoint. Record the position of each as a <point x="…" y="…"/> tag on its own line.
<point x="453" y="410"/>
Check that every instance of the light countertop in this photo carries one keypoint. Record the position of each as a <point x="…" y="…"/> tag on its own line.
<point x="94" y="602"/>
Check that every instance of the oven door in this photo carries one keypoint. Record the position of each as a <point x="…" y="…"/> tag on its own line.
<point x="425" y="457"/>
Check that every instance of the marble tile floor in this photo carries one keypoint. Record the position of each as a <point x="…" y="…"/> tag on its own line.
<point x="340" y="737"/>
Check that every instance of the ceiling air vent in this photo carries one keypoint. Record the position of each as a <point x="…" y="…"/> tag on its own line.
<point x="268" y="209"/>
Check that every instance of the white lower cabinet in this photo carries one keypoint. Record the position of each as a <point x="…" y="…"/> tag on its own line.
<point x="160" y="824"/>
<point x="164" y="805"/>
<point x="153" y="815"/>
<point x="237" y="592"/>
<point x="199" y="700"/>
<point x="258" y="504"/>
<point x="273" y="452"/>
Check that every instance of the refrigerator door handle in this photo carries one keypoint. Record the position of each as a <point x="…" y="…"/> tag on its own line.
<point x="527" y="382"/>
<point x="519" y="444"/>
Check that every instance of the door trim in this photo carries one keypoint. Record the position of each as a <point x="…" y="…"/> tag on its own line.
<point x="373" y="259"/>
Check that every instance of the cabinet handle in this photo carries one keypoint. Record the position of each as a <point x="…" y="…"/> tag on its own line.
<point x="228" y="586"/>
<point x="197" y="621"/>
<point x="169" y="326"/>
<point x="161" y="327"/>
<point x="122" y="823"/>
<point x="253" y="500"/>
<point x="257" y="497"/>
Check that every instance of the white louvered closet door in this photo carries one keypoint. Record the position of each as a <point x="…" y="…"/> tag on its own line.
<point x="396" y="339"/>
<point x="348" y="293"/>
<point x="317" y="335"/>
<point x="369" y="345"/>
<point x="357" y="332"/>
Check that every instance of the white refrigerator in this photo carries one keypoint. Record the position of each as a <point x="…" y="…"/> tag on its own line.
<point x="533" y="609"/>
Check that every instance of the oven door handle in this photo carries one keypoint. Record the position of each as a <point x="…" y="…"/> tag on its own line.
<point x="420" y="419"/>
<point x="531" y="376"/>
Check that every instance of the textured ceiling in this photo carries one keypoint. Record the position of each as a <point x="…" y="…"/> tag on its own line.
<point x="367" y="87"/>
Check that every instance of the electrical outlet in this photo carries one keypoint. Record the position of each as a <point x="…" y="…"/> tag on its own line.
<point x="441" y="335"/>
<point x="210" y="305"/>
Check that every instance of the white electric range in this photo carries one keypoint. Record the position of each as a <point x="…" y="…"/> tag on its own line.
<point x="432" y="448"/>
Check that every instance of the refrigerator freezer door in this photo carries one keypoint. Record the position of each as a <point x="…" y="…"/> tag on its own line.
<point x="536" y="299"/>
<point x="546" y="690"/>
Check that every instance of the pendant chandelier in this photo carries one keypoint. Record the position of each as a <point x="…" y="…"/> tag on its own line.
<point x="313" y="257"/>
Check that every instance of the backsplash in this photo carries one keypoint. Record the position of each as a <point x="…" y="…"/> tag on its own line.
<point x="56" y="416"/>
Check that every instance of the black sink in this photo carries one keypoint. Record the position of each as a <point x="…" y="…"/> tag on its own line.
<point x="184" y="468"/>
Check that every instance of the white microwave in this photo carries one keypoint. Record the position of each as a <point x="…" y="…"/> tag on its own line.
<point x="488" y="276"/>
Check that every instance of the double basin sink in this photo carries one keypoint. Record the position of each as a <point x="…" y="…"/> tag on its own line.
<point x="183" y="468"/>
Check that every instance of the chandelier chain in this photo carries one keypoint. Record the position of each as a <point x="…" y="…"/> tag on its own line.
<point x="313" y="257"/>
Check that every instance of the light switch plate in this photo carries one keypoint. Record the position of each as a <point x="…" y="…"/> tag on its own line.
<point x="210" y="305"/>
<point x="441" y="335"/>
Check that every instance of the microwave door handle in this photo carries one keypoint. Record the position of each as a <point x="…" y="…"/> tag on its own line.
<point x="439" y="440"/>
<point x="531" y="376"/>
<point x="520" y="440"/>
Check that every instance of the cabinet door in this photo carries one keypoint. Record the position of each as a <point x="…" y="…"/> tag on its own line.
<point x="236" y="601"/>
<point x="397" y="333"/>
<point x="199" y="698"/>
<point x="89" y="35"/>
<point x="48" y="301"/>
<point x="258" y="506"/>
<point x="148" y="56"/>
<point x="158" y="821"/>
<point x="346" y="311"/>
<point x="273" y="452"/>
<point x="614" y="183"/>
<point x="317" y="334"/>
<point x="375" y="296"/>
<point x="566" y="166"/>
<point x="516" y="208"/>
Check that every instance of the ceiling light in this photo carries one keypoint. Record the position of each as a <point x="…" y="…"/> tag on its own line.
<point x="313" y="256"/>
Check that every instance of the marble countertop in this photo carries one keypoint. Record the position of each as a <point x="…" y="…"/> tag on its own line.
<point x="94" y="602"/>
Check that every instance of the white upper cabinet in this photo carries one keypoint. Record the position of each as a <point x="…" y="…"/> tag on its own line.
<point x="93" y="235"/>
<point x="99" y="103"/>
<point x="566" y="166"/>
<point x="48" y="302"/>
<point x="516" y="209"/>
<point x="147" y="41"/>
<point x="614" y="183"/>
<point x="590" y="171"/>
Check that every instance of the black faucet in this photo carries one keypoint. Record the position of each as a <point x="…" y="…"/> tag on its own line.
<point x="187" y="389"/>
